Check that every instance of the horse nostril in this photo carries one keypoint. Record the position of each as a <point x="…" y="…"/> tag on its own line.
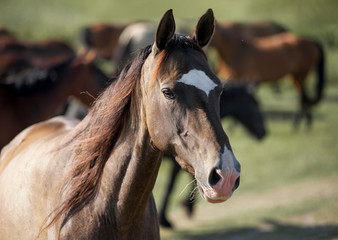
<point x="214" y="177"/>
<point x="236" y="184"/>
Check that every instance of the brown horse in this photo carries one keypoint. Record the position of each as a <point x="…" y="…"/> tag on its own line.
<point x="6" y="37"/>
<point x="34" y="95"/>
<point x="268" y="59"/>
<point x="166" y="100"/>
<point x="255" y="29"/>
<point x="17" y="55"/>
<point x="102" y="38"/>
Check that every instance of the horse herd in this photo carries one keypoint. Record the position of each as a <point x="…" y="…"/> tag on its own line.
<point x="92" y="178"/>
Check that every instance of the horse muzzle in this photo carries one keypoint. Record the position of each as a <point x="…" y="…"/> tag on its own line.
<point x="223" y="179"/>
<point x="222" y="190"/>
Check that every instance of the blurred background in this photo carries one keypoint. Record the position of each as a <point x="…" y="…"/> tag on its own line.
<point x="289" y="182"/>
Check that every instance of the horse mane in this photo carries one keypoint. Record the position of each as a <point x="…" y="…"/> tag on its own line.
<point x="31" y="80"/>
<point x="95" y="138"/>
<point x="97" y="134"/>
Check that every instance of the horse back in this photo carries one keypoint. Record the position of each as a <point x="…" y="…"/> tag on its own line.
<point x="31" y="168"/>
<point x="38" y="132"/>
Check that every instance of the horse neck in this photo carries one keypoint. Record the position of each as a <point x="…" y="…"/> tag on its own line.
<point x="128" y="178"/>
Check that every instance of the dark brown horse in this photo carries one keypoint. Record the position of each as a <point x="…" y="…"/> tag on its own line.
<point x="6" y="37"/>
<point x="17" y="55"/>
<point x="166" y="100"/>
<point x="33" y="95"/>
<point x="102" y="38"/>
<point x="268" y="59"/>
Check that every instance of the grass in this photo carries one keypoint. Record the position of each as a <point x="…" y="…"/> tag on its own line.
<point x="289" y="180"/>
<point x="40" y="19"/>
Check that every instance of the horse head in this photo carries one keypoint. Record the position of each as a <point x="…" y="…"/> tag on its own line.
<point x="239" y="103"/>
<point x="181" y="96"/>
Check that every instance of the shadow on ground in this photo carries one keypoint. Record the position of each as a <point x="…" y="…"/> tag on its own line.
<point x="270" y="230"/>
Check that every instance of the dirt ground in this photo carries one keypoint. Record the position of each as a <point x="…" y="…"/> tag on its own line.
<point x="307" y="210"/>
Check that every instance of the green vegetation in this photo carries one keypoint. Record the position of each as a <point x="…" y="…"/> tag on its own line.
<point x="289" y="185"/>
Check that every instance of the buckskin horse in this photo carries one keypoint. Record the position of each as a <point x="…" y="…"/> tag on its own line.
<point x="166" y="100"/>
<point x="268" y="59"/>
<point x="34" y="95"/>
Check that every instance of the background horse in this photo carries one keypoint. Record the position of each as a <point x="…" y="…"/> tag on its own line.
<point x="6" y="37"/>
<point x="235" y="102"/>
<point x="110" y="160"/>
<point x="134" y="37"/>
<point x="17" y="56"/>
<point x="34" y="95"/>
<point x="267" y="59"/>
<point x="254" y="29"/>
<point x="102" y="38"/>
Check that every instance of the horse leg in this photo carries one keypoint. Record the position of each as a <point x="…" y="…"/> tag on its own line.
<point x="305" y="106"/>
<point x="162" y="216"/>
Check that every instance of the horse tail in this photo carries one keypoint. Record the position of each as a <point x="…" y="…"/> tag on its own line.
<point x="320" y="74"/>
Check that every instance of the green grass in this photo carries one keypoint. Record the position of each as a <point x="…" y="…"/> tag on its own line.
<point x="39" y="19"/>
<point x="284" y="161"/>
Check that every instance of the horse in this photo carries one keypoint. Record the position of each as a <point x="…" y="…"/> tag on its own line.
<point x="255" y="29"/>
<point x="268" y="59"/>
<point x="102" y="38"/>
<point x="235" y="102"/>
<point x="64" y="179"/>
<point x="134" y="37"/>
<point x="6" y="37"/>
<point x="17" y="56"/>
<point x="33" y="95"/>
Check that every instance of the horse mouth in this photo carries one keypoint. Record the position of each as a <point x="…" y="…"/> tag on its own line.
<point x="211" y="196"/>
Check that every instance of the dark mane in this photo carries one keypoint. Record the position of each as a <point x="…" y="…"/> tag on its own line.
<point x="31" y="80"/>
<point x="95" y="138"/>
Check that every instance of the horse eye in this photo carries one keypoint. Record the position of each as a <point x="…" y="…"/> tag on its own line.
<point x="168" y="93"/>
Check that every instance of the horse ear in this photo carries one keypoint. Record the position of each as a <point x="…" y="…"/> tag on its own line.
<point x="165" y="30"/>
<point x="204" y="28"/>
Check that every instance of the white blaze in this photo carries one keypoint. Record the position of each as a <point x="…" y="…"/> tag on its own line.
<point x="198" y="79"/>
<point x="228" y="159"/>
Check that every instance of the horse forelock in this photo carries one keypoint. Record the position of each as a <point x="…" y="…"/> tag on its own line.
<point x="180" y="42"/>
<point x="93" y="140"/>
